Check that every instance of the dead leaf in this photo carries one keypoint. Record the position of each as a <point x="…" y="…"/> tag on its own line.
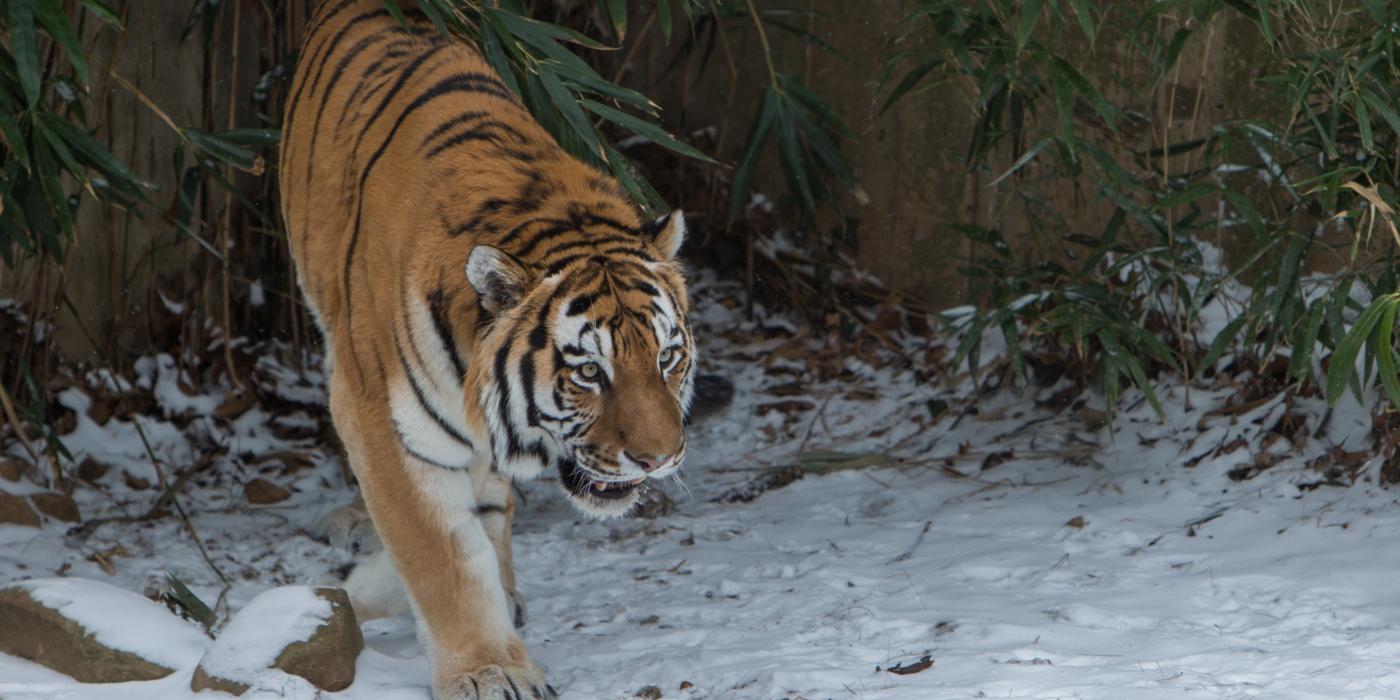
<point x="909" y="669"/>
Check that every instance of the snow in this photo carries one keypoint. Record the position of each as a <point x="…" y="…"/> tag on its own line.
<point x="1024" y="548"/>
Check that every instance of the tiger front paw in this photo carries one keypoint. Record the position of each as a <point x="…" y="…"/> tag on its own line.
<point x="493" y="682"/>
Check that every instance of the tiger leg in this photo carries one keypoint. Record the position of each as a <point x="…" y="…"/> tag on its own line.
<point x="496" y="506"/>
<point x="374" y="585"/>
<point x="427" y="519"/>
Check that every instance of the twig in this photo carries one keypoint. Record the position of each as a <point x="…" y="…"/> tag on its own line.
<point x="908" y="553"/>
<point x="16" y="425"/>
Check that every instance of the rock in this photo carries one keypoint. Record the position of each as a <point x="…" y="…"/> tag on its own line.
<point x="56" y="505"/>
<point x="296" y="630"/>
<point x="94" y="632"/>
<point x="263" y="492"/>
<point x="16" y="511"/>
<point x="649" y="692"/>
<point x="12" y="469"/>
<point x="91" y="469"/>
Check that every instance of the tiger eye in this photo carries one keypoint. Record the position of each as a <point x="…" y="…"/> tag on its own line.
<point x="665" y="357"/>
<point x="590" y="370"/>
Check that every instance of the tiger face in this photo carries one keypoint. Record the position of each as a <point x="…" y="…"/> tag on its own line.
<point x="592" y="365"/>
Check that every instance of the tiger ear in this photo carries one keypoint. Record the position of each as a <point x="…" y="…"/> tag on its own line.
<point x="667" y="233"/>
<point x="498" y="278"/>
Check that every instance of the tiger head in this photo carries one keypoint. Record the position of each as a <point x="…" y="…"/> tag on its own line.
<point x="587" y="362"/>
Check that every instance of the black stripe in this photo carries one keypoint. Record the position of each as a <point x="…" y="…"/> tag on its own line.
<point x="581" y="304"/>
<point x="502" y="381"/>
<point x="369" y="84"/>
<point x="403" y="442"/>
<point x="527" y="382"/>
<point x="412" y="342"/>
<point x="350" y="55"/>
<point x="437" y="308"/>
<point x="449" y="124"/>
<point x="558" y="228"/>
<point x="596" y="243"/>
<point x="423" y="399"/>
<point x="488" y="508"/>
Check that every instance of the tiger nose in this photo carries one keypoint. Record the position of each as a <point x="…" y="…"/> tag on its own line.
<point x="649" y="463"/>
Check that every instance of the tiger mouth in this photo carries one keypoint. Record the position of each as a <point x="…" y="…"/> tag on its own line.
<point x="582" y="483"/>
<point x="612" y="489"/>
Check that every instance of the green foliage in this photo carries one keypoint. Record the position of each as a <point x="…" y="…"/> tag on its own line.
<point x="44" y="128"/>
<point x="1323" y="151"/>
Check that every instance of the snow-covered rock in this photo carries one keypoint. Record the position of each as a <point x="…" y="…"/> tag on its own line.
<point x="94" y="632"/>
<point x="282" y="639"/>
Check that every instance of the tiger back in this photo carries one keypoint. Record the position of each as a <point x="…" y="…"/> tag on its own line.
<point x="492" y="308"/>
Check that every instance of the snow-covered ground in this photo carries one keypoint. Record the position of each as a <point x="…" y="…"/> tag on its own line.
<point x="1018" y="545"/>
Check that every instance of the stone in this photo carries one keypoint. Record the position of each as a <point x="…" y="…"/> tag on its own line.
<point x="12" y="469"/>
<point x="59" y="506"/>
<point x="262" y="492"/>
<point x="94" y="632"/>
<point x="16" y="511"/>
<point x="91" y="469"/>
<point x="304" y="632"/>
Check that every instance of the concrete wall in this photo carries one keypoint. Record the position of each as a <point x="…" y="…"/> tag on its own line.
<point x="911" y="160"/>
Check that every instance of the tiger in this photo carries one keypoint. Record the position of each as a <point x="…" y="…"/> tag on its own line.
<point x="492" y="309"/>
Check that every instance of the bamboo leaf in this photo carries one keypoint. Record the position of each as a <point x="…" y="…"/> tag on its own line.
<point x="1030" y="16"/>
<point x="815" y="104"/>
<point x="1174" y="47"/>
<point x="568" y="106"/>
<point x="1342" y="364"/>
<point x="94" y="154"/>
<point x="1190" y="194"/>
<point x="663" y="10"/>
<point x="1363" y="123"/>
<point x="10" y="132"/>
<point x="1384" y="110"/>
<point x="792" y="161"/>
<point x="1222" y="341"/>
<point x="1299" y="363"/>
<point x="1245" y="209"/>
<point x="1384" y="349"/>
<point x="1025" y="158"/>
<point x="219" y="148"/>
<point x="24" y="45"/>
<point x="912" y="78"/>
<point x="1086" y="20"/>
<point x="103" y="12"/>
<point x="753" y="146"/>
<point x="617" y="14"/>
<point x="645" y="128"/>
<point x="50" y="14"/>
<point x="251" y="137"/>
<point x="1012" y="335"/>
<point x="1090" y="93"/>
